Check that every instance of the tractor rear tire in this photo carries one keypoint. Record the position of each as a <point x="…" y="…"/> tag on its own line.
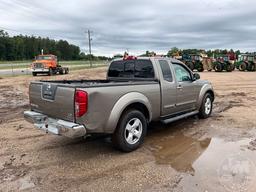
<point x="191" y="66"/>
<point x="218" y="67"/>
<point x="200" y="68"/>
<point x="233" y="67"/>
<point x="229" y="68"/>
<point x="251" y="67"/>
<point x="242" y="67"/>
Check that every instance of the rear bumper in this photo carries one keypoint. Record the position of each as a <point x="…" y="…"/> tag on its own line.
<point x="55" y="126"/>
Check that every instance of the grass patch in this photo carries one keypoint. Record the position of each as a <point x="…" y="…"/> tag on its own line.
<point x="26" y="64"/>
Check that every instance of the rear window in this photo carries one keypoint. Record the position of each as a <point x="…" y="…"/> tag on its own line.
<point x="131" y="69"/>
<point x="166" y="71"/>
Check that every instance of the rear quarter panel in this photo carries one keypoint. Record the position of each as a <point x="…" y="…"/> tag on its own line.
<point x="106" y="104"/>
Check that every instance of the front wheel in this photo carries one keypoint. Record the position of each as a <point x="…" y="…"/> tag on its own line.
<point x="130" y="131"/>
<point x="206" y="106"/>
<point x="50" y="73"/>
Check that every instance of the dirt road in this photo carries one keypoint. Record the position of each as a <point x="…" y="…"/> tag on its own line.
<point x="216" y="154"/>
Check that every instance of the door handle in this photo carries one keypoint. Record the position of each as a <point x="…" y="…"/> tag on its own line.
<point x="179" y="87"/>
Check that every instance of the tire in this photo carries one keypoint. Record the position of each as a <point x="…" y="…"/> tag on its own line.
<point x="206" y="106"/>
<point x="200" y="68"/>
<point x="191" y="66"/>
<point x="67" y="71"/>
<point x="218" y="67"/>
<point x="251" y="67"/>
<point x="233" y="67"/>
<point x="50" y="73"/>
<point x="131" y="123"/>
<point x="34" y="73"/>
<point x="61" y="72"/>
<point x="229" y="68"/>
<point x="242" y="67"/>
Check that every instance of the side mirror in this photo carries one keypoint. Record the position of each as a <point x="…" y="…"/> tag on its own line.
<point x="196" y="76"/>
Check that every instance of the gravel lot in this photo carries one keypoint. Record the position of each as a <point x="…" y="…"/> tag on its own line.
<point x="216" y="154"/>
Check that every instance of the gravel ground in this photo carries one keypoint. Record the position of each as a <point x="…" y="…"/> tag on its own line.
<point x="216" y="154"/>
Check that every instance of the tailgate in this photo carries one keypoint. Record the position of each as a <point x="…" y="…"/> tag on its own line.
<point x="53" y="100"/>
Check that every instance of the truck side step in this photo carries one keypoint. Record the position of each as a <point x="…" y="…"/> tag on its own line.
<point x="175" y="118"/>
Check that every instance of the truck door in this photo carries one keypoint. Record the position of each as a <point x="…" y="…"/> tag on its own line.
<point x="186" y="89"/>
<point x="168" y="89"/>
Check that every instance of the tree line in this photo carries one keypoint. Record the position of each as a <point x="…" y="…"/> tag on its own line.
<point x="27" y="47"/>
<point x="22" y="47"/>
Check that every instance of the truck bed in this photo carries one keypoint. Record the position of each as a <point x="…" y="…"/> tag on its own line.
<point x="56" y="98"/>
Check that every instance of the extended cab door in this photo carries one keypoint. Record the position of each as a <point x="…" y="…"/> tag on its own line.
<point x="186" y="88"/>
<point x="168" y="89"/>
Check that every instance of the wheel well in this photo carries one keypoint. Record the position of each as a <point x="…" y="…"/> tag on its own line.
<point x="211" y="93"/>
<point x="140" y="107"/>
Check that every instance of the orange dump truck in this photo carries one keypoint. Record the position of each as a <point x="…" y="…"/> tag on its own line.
<point x="47" y="64"/>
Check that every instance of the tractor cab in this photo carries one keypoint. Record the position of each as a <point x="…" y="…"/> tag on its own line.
<point x="186" y="57"/>
<point x="226" y="58"/>
<point x="197" y="58"/>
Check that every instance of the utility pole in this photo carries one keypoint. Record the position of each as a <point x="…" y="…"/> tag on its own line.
<point x="90" y="47"/>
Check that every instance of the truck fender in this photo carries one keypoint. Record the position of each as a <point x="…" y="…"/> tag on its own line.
<point x="206" y="88"/>
<point x="120" y="106"/>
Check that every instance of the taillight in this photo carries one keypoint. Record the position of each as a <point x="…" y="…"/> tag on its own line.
<point x="81" y="103"/>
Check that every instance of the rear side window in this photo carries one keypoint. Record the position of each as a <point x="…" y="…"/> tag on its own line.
<point x="131" y="69"/>
<point x="144" y="69"/>
<point x="166" y="71"/>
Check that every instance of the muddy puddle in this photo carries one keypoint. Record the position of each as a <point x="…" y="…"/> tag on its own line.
<point x="211" y="164"/>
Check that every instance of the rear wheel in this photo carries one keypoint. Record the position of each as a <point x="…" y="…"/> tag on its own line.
<point x="200" y="68"/>
<point x="191" y="65"/>
<point x="206" y="106"/>
<point x="229" y="68"/>
<point x="218" y="67"/>
<point x="67" y="71"/>
<point x="251" y="67"/>
<point x="130" y="131"/>
<point x="61" y="72"/>
<point x="34" y="73"/>
<point x="242" y="67"/>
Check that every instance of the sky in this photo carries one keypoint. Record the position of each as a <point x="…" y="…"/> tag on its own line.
<point x="136" y="26"/>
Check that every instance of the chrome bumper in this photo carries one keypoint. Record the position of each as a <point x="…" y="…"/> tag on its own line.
<point x="40" y="70"/>
<point x="55" y="126"/>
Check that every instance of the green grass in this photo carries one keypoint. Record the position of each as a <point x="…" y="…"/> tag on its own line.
<point x="71" y="64"/>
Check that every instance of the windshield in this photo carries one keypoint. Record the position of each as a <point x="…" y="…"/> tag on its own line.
<point x="43" y="57"/>
<point x="225" y="58"/>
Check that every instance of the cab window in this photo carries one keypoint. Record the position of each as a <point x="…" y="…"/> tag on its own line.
<point x="182" y="74"/>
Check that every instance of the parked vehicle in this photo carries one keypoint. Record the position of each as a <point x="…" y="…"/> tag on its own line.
<point x="47" y="64"/>
<point x="246" y="62"/>
<point x="136" y="92"/>
<point x="193" y="62"/>
<point x="223" y="63"/>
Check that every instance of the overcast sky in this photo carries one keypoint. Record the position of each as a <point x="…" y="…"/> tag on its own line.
<point x="139" y="25"/>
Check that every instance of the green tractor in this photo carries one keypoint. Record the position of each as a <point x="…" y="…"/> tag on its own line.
<point x="246" y="62"/>
<point x="193" y="62"/>
<point x="223" y="64"/>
